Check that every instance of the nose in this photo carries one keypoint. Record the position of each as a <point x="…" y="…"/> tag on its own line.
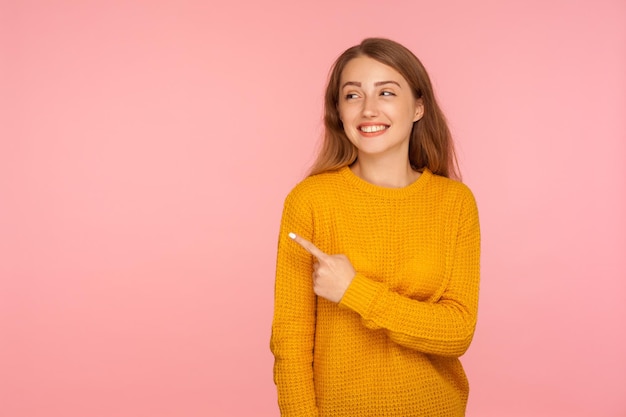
<point x="370" y="107"/>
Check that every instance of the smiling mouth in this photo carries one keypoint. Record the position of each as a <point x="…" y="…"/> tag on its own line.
<point x="373" y="129"/>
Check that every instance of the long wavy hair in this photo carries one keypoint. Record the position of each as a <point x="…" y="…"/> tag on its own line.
<point x="430" y="145"/>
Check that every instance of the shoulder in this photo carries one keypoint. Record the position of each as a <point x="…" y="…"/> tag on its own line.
<point x="312" y="194"/>
<point x="454" y="195"/>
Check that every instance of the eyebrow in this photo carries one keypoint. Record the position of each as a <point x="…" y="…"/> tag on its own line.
<point x="376" y="84"/>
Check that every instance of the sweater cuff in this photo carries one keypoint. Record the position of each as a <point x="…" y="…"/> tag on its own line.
<point x="360" y="294"/>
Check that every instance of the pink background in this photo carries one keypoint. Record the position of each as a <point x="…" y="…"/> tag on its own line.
<point x="146" y="149"/>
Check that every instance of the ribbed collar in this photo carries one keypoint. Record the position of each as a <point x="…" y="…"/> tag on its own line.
<point x="386" y="192"/>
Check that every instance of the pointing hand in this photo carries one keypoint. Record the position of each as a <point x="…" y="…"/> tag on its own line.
<point x="332" y="274"/>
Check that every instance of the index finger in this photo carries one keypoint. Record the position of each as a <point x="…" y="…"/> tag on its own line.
<point x="308" y="246"/>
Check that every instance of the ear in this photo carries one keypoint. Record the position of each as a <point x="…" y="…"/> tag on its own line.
<point x="419" y="109"/>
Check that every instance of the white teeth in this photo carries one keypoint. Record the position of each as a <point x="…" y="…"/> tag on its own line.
<point x="372" y="129"/>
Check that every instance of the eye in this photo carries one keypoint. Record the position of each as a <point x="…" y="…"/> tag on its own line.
<point x="351" y="96"/>
<point x="387" y="93"/>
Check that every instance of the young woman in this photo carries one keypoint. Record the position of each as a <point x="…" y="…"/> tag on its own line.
<point x="378" y="256"/>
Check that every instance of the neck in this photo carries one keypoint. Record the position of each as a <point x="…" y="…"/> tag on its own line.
<point x="385" y="173"/>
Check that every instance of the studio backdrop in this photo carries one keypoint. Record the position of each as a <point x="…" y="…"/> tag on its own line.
<point x="146" y="149"/>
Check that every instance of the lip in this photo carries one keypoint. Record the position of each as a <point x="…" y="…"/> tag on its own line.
<point x="371" y="134"/>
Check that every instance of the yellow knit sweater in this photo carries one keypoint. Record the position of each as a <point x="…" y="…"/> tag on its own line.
<point x="391" y="346"/>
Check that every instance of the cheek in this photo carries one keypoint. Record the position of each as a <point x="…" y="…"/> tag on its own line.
<point x="347" y="120"/>
<point x="346" y="111"/>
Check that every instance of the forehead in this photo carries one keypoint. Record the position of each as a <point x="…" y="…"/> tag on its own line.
<point x="364" y="69"/>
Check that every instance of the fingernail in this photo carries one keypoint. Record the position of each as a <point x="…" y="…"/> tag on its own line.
<point x="292" y="235"/>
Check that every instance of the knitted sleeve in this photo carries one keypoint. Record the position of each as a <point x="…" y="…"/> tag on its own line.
<point x="444" y="326"/>
<point x="293" y="327"/>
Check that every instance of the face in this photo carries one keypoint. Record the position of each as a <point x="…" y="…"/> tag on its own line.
<point x="377" y="108"/>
